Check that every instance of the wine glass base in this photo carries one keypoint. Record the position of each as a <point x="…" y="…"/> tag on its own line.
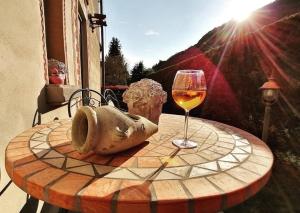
<point x="180" y="143"/>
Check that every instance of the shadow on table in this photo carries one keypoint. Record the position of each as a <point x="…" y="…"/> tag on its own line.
<point x="164" y="165"/>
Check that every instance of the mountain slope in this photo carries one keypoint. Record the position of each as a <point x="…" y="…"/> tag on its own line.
<point x="236" y="67"/>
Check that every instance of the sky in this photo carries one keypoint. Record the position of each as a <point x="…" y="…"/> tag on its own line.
<point x="155" y="30"/>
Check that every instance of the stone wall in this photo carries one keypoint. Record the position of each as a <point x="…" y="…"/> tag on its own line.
<point x="24" y="71"/>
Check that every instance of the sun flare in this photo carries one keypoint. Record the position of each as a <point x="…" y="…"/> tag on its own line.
<point x="241" y="15"/>
<point x="240" y="10"/>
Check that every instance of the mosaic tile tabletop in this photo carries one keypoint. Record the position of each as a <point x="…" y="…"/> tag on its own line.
<point x="228" y="166"/>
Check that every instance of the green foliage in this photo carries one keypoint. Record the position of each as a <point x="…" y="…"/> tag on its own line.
<point x="114" y="47"/>
<point x="137" y="72"/>
<point x="116" y="72"/>
<point x="149" y="71"/>
<point x="158" y="65"/>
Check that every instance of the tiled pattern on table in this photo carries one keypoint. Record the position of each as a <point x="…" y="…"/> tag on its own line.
<point x="224" y="161"/>
<point x="217" y="151"/>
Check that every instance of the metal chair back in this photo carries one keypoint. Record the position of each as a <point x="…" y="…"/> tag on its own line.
<point x="85" y="97"/>
<point x="111" y="98"/>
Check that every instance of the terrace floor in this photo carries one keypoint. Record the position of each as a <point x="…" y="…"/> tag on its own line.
<point x="281" y="194"/>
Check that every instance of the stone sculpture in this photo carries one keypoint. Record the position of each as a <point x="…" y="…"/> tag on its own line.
<point x="145" y="98"/>
<point x="57" y="71"/>
<point x="108" y="130"/>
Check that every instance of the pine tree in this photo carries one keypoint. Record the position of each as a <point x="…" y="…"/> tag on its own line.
<point x="116" y="72"/>
<point x="114" y="47"/>
<point x="138" y="72"/>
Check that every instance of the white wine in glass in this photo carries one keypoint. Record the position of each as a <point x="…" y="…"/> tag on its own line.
<point x="188" y="91"/>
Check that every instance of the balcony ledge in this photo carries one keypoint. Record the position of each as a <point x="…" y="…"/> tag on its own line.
<point x="58" y="95"/>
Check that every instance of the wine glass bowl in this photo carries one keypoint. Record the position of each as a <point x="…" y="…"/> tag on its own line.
<point x="188" y="92"/>
<point x="188" y="99"/>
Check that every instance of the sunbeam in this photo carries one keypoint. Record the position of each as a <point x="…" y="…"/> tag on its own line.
<point x="232" y="33"/>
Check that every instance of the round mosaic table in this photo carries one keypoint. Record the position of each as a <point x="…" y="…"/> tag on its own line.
<point x="228" y="166"/>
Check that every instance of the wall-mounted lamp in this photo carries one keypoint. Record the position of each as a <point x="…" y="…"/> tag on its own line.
<point x="97" y="20"/>
<point x="270" y="93"/>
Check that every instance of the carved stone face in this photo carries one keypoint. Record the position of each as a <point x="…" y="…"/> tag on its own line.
<point x="108" y="130"/>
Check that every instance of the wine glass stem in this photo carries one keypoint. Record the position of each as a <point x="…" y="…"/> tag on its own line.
<point x="186" y="123"/>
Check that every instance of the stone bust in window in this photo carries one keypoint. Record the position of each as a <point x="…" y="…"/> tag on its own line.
<point x="57" y="71"/>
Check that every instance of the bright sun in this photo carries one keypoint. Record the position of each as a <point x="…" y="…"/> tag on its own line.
<point x="241" y="15"/>
<point x="240" y="10"/>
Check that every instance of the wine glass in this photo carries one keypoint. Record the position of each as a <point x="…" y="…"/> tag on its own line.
<point x="188" y="91"/>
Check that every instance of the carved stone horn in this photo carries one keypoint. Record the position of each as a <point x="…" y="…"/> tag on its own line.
<point x="84" y="129"/>
<point x="107" y="130"/>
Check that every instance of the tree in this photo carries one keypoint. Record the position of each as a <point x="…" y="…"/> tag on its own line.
<point x="114" y="47"/>
<point x="116" y="72"/>
<point x="137" y="72"/>
<point x="149" y="71"/>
